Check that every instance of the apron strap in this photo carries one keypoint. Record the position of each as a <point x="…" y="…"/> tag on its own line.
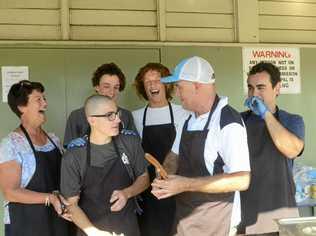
<point x="170" y="112"/>
<point x="215" y="103"/>
<point x="144" y="116"/>
<point x="27" y="137"/>
<point x="30" y="141"/>
<point x="129" y="169"/>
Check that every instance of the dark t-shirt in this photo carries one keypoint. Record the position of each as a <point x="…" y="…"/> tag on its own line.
<point x="74" y="161"/>
<point x="77" y="124"/>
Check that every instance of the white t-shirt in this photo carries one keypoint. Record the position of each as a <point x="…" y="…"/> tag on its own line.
<point x="227" y="138"/>
<point x="160" y="115"/>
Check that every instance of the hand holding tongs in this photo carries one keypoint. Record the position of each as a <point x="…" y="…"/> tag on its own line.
<point x="158" y="167"/>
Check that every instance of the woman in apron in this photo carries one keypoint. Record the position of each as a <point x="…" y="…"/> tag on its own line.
<point x="156" y="124"/>
<point x="30" y="168"/>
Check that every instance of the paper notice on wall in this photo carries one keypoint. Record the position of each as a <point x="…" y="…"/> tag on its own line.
<point x="12" y="75"/>
<point x="286" y="59"/>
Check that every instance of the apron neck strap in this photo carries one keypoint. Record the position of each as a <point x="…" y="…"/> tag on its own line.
<point x="170" y="112"/>
<point x="215" y="103"/>
<point x="31" y="143"/>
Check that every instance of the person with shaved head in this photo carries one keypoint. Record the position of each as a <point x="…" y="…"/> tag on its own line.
<point x="101" y="179"/>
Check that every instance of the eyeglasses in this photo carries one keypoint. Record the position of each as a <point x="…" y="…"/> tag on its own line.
<point x="111" y="116"/>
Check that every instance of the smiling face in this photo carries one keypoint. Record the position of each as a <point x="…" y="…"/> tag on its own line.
<point x="109" y="86"/>
<point x="260" y="85"/>
<point x="155" y="90"/>
<point x="35" y="108"/>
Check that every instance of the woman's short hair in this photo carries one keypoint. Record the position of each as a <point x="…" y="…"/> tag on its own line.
<point x="139" y="79"/>
<point x="19" y="94"/>
<point x="108" y="69"/>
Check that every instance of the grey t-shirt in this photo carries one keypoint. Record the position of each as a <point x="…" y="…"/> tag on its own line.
<point x="77" y="124"/>
<point x="74" y="162"/>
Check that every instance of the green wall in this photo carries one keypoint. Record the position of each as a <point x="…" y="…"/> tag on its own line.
<point x="66" y="73"/>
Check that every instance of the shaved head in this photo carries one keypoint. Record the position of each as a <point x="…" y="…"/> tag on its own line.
<point x="95" y="104"/>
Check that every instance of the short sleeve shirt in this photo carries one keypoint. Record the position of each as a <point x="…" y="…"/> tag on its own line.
<point x="160" y="115"/>
<point x="15" y="147"/>
<point x="227" y="137"/>
<point x="74" y="161"/>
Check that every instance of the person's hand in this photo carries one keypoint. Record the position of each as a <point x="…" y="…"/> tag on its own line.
<point x="257" y="105"/>
<point x="118" y="199"/>
<point x="57" y="204"/>
<point x="77" y="142"/>
<point x="175" y="184"/>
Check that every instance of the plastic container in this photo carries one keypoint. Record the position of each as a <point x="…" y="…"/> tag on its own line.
<point x="302" y="226"/>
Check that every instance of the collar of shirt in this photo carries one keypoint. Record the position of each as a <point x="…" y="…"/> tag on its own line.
<point x="198" y="123"/>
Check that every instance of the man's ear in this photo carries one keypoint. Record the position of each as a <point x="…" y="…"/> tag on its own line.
<point x="91" y="120"/>
<point x="277" y="88"/>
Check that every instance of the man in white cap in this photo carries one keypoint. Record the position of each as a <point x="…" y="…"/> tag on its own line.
<point x="210" y="156"/>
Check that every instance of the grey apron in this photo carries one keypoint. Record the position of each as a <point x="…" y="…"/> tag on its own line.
<point x="200" y="214"/>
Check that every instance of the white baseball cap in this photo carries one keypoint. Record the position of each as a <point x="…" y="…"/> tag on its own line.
<point x="194" y="69"/>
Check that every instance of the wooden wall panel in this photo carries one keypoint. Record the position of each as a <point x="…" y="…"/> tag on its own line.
<point x="287" y="36"/>
<point x="287" y="8"/>
<point x="199" y="20"/>
<point x="287" y="22"/>
<point x="108" y="17"/>
<point x="200" y="34"/>
<point x="33" y="4"/>
<point x="214" y="6"/>
<point x="113" y="33"/>
<point x="29" y="16"/>
<point x="114" y="4"/>
<point x="29" y="32"/>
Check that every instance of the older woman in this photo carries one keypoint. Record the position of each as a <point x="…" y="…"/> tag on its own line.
<point x="30" y="168"/>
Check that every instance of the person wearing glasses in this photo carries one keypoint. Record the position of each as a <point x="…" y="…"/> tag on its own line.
<point x="101" y="179"/>
<point x="107" y="80"/>
<point x="30" y="162"/>
<point x="157" y="124"/>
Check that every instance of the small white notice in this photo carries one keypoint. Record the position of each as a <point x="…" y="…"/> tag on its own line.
<point x="10" y="76"/>
<point x="286" y="59"/>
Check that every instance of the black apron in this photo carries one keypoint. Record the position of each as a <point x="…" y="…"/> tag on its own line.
<point x="271" y="194"/>
<point x="38" y="219"/>
<point x="98" y="186"/>
<point x="158" y="215"/>
<point x="200" y="214"/>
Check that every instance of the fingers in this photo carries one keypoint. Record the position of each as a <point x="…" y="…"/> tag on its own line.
<point x="114" y="197"/>
<point x="118" y="199"/>
<point x="161" y="193"/>
<point x="118" y="205"/>
<point x="64" y="200"/>
<point x="66" y="216"/>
